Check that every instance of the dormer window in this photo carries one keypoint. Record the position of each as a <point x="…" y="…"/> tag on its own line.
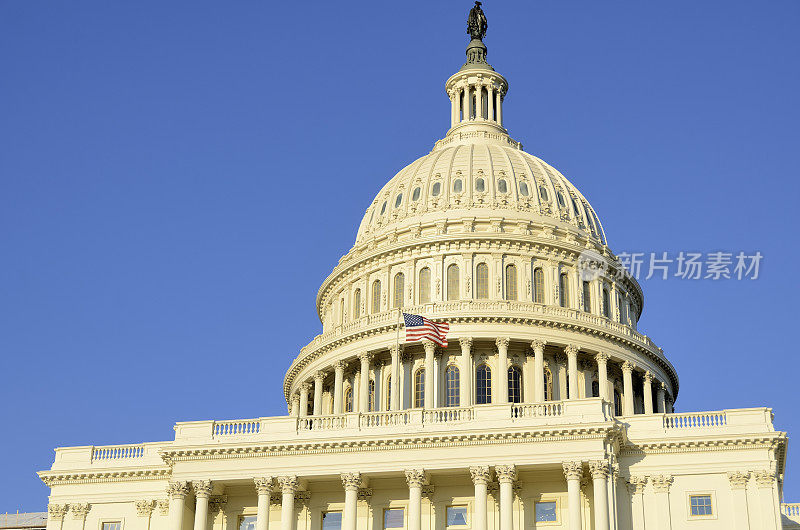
<point x="457" y="186"/>
<point x="502" y="186"/>
<point x="415" y="194"/>
<point x="437" y="189"/>
<point x="543" y="193"/>
<point x="560" y="199"/>
<point x="480" y="185"/>
<point x="523" y="189"/>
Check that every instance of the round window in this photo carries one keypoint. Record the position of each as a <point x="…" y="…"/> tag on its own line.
<point x="502" y="186"/>
<point x="415" y="194"/>
<point x="457" y="186"/>
<point x="437" y="188"/>
<point x="480" y="185"/>
<point x="523" y="189"/>
<point x="398" y="201"/>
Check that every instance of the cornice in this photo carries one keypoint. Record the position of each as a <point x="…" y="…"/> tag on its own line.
<point x="55" y="478"/>
<point x="776" y="441"/>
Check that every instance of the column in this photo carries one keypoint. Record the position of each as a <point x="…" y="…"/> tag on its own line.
<point x="572" y="370"/>
<point x="79" y="512"/>
<point x="741" y="517"/>
<point x="538" y="370"/>
<point x="648" y="392"/>
<point x="304" y="389"/>
<point x="599" y="470"/>
<point x="661" y="484"/>
<point x="500" y="106"/>
<point x="454" y="100"/>
<point x="478" y="101"/>
<point x="415" y="479"/>
<point x="627" y="387"/>
<point x="144" y="508"/>
<point x="264" y="489"/>
<point x="56" y="513"/>
<point x="351" y="483"/>
<point x="636" y="487"/>
<point x="573" y="472"/>
<point x="430" y="378"/>
<point x="202" y="491"/>
<point x="502" y="370"/>
<point x="177" y="491"/>
<point x="465" y="110"/>
<point x="288" y="486"/>
<point x="394" y="391"/>
<point x="466" y="371"/>
<point x="506" y="475"/>
<point x="338" y="386"/>
<point x="768" y="508"/>
<point x="319" y="377"/>
<point x="480" y="478"/>
<point x="363" y="390"/>
<point x="294" y="408"/>
<point x="490" y="93"/>
<point x="662" y="397"/>
<point x="602" y="375"/>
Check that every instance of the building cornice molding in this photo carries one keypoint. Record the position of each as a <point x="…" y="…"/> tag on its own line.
<point x="56" y="478"/>
<point x="776" y="441"/>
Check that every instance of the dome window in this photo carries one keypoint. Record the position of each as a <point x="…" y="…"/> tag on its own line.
<point x="502" y="187"/>
<point x="415" y="194"/>
<point x="437" y="188"/>
<point x="383" y="208"/>
<point x="457" y="186"/>
<point x="560" y="199"/>
<point x="480" y="185"/>
<point x="398" y="201"/>
<point x="543" y="193"/>
<point x="523" y="189"/>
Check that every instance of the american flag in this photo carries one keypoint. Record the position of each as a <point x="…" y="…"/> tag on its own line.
<point x="419" y="327"/>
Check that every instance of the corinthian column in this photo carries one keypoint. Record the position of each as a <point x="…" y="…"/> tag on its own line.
<point x="430" y="379"/>
<point x="573" y="472"/>
<point x="661" y="484"/>
<point x="738" y="482"/>
<point x="264" y="490"/>
<point x="636" y="487"/>
<point x="599" y="470"/>
<point x="466" y="371"/>
<point x="465" y="110"/>
<point x="480" y="478"/>
<point x="572" y="370"/>
<point x="202" y="491"/>
<point x="351" y="483"/>
<point x="177" y="491"/>
<point x="765" y="481"/>
<point x="662" y="397"/>
<point x="602" y="375"/>
<point x="627" y="383"/>
<point x="490" y="106"/>
<point x="506" y="475"/>
<point x="648" y="393"/>
<point x="319" y="377"/>
<point x="338" y="385"/>
<point x="394" y="389"/>
<point x="289" y="486"/>
<point x="538" y="369"/>
<point x="415" y="479"/>
<point x="304" y="389"/>
<point x="363" y="390"/>
<point x="502" y="369"/>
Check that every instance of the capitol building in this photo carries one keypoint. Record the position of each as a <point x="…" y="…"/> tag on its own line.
<point x="548" y="408"/>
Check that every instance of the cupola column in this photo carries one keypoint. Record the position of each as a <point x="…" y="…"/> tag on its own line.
<point x="465" y="110"/>
<point x="648" y="393"/>
<point x="465" y="381"/>
<point x="502" y="369"/>
<point x="627" y="387"/>
<point x="304" y="389"/>
<point x="394" y="388"/>
<point x="478" y="101"/>
<point x="295" y="405"/>
<point x="490" y="106"/>
<point x="454" y="101"/>
<point x="338" y="385"/>
<point x="430" y="348"/>
<point x="599" y="471"/>
<point x="319" y="377"/>
<point x="363" y="390"/>
<point x="572" y="370"/>
<point x="538" y="369"/>
<point x="500" y="107"/>
<point x="602" y="375"/>
<point x="662" y="397"/>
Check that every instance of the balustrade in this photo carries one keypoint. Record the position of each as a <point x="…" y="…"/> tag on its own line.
<point x="536" y="410"/>
<point x="117" y="452"/>
<point x="791" y="509"/>
<point x="236" y="427"/>
<point x="698" y="420"/>
<point x="444" y="415"/>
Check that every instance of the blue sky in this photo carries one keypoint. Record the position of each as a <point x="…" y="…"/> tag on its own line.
<point x="177" y="179"/>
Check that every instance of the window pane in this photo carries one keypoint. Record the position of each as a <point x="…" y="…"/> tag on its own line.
<point x="511" y="282"/>
<point x="457" y="186"/>
<point x="543" y="193"/>
<point x="482" y="281"/>
<point x="425" y="286"/>
<point x="456" y="516"/>
<point x="376" y="296"/>
<point x="398" y="201"/>
<point x="483" y="393"/>
<point x="399" y="287"/>
<point x="393" y="518"/>
<point x="415" y="195"/>
<point x="480" y="185"/>
<point x="701" y="505"/>
<point x="587" y="297"/>
<point x="452" y="384"/>
<point x="331" y="520"/>
<point x="437" y="187"/>
<point x="452" y="282"/>
<point x="514" y="385"/>
<point x="245" y="523"/>
<point x="563" y="290"/>
<point x="538" y="286"/>
<point x="523" y="189"/>
<point x="419" y="388"/>
<point x="546" y="512"/>
<point x="357" y="304"/>
<point x="383" y="208"/>
<point x="502" y="187"/>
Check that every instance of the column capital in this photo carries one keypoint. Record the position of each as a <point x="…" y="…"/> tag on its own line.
<point x="601" y="358"/>
<point x="216" y="503"/>
<point x="429" y="345"/>
<point x="573" y="470"/>
<point x="295" y="399"/>
<point x="202" y="488"/>
<point x="319" y="375"/>
<point x="57" y="511"/>
<point x="538" y="345"/>
<point x="365" y="357"/>
<point x="340" y="366"/>
<point x="305" y="387"/>
<point x="264" y="485"/>
<point x="80" y="509"/>
<point x="144" y="507"/>
<point x="571" y="350"/>
<point x="636" y="484"/>
<point x="415" y="477"/>
<point x="764" y="479"/>
<point x="738" y="479"/>
<point x="395" y="349"/>
<point x="561" y="358"/>
<point x="302" y="498"/>
<point x="598" y="469"/>
<point x="480" y="474"/>
<point x="502" y="342"/>
<point x="288" y="484"/>
<point x="163" y="506"/>
<point x="648" y="377"/>
<point x="465" y="343"/>
<point x="351" y="481"/>
<point x="628" y="367"/>
<point x="506" y="473"/>
<point x="177" y="489"/>
<point x="661" y="483"/>
<point x="662" y="386"/>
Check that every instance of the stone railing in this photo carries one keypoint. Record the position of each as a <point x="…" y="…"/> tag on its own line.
<point x="117" y="452"/>
<point x="446" y="415"/>
<point x="535" y="410"/>
<point x="695" y="420"/>
<point x="237" y="427"/>
<point x="668" y="426"/>
<point x="109" y="456"/>
<point x="791" y="510"/>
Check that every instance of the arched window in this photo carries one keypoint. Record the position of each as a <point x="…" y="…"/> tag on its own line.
<point x="563" y="290"/>
<point x="511" y="282"/>
<point x="398" y="201"/>
<point x="452" y="282"/>
<point x="348" y="400"/>
<point x="617" y="403"/>
<point x="376" y="296"/>
<point x="389" y="393"/>
<point x="606" y="303"/>
<point x="437" y="188"/>
<point x="560" y="199"/>
<point x="548" y="385"/>
<point x="502" y="187"/>
<point x="457" y="186"/>
<point x="357" y="304"/>
<point x="383" y="208"/>
<point x="341" y="311"/>
<point x="452" y="382"/>
<point x="399" y="286"/>
<point x="523" y="189"/>
<point x="587" y="297"/>
<point x="538" y="286"/>
<point x="480" y="185"/>
<point x="425" y="286"/>
<point x="514" y="384"/>
<point x="419" y="388"/>
<point x="415" y="194"/>
<point x="595" y="388"/>
<point x="543" y="193"/>
<point x="482" y="281"/>
<point x="371" y="396"/>
<point x="483" y="388"/>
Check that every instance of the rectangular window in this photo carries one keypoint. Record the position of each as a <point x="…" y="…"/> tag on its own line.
<point x="700" y="505"/>
<point x="331" y="520"/>
<point x="393" y="518"/>
<point x="456" y="516"/>
<point x="546" y="512"/>
<point x="245" y="523"/>
<point x="112" y="525"/>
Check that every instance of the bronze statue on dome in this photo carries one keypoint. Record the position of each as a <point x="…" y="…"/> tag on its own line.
<point x="476" y="22"/>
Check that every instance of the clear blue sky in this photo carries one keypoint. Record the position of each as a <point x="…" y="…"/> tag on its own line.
<point x="177" y="178"/>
